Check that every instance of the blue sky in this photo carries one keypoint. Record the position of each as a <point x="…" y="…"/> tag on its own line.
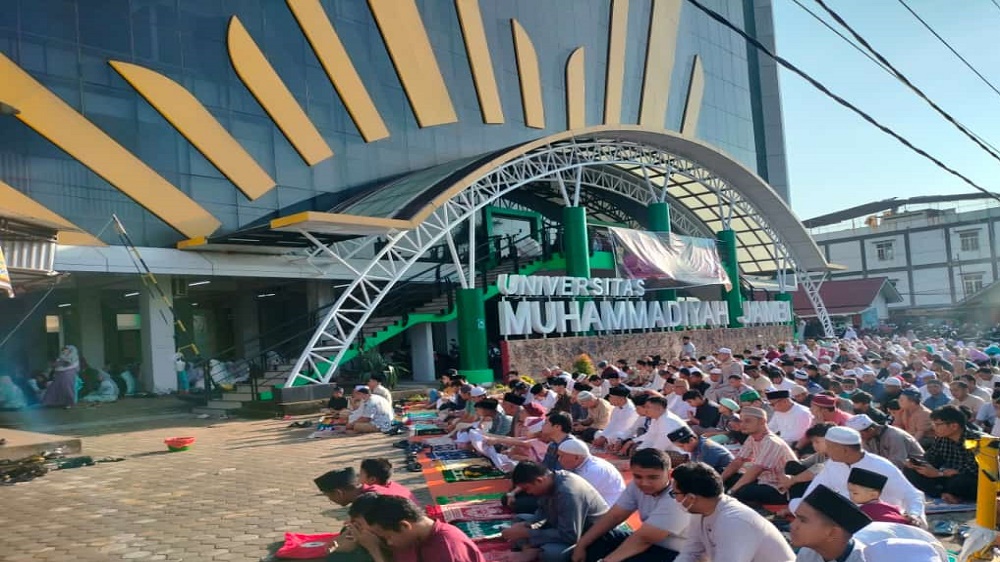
<point x="837" y="160"/>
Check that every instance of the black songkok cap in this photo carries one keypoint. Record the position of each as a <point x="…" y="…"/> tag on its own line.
<point x="619" y="391"/>
<point x="837" y="508"/>
<point x="867" y="479"/>
<point x="336" y="480"/>
<point x="777" y="394"/>
<point x="515" y="399"/>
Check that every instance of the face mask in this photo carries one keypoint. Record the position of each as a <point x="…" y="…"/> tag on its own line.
<point x="687" y="503"/>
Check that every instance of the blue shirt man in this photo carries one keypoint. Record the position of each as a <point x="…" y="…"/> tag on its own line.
<point x="701" y="449"/>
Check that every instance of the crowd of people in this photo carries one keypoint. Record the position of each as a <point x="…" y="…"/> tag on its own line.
<point x="845" y="440"/>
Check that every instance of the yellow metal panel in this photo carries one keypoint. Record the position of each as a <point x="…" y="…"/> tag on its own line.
<point x="330" y="51"/>
<point x="617" y="35"/>
<point x="52" y="118"/>
<point x="478" y="50"/>
<point x="695" y="93"/>
<point x="660" y="48"/>
<point x="16" y="205"/>
<point x="529" y="76"/>
<point x="191" y="119"/>
<point x="272" y="94"/>
<point x="576" y="97"/>
<point x="410" y="50"/>
<point x="192" y="243"/>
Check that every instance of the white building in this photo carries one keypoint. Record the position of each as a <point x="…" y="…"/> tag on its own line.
<point x="935" y="257"/>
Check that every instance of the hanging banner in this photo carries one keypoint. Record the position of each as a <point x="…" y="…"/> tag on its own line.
<point x="5" y="284"/>
<point x="682" y="260"/>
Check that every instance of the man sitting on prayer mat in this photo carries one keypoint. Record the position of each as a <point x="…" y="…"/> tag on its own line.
<point x="567" y="507"/>
<point x="356" y="542"/>
<point x="342" y="487"/>
<point x="664" y="521"/>
<point x="574" y="456"/>
<point x="414" y="537"/>
<point x="373" y="414"/>
<point x="824" y="527"/>
<point x="376" y="476"/>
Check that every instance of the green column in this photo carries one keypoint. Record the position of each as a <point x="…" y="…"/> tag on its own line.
<point x="659" y="221"/>
<point x="576" y="244"/>
<point x="473" y="354"/>
<point x="733" y="298"/>
<point x="787" y="297"/>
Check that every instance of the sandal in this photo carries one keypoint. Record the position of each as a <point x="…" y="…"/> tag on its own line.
<point x="414" y="466"/>
<point x="404" y="444"/>
<point x="944" y="528"/>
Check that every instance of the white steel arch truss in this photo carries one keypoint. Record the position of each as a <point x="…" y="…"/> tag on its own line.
<point x="573" y="160"/>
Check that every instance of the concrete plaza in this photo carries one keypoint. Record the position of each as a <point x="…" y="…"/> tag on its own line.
<point x="231" y="497"/>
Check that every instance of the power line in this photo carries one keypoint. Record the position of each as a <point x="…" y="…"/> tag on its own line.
<point x="950" y="48"/>
<point x="841" y="35"/>
<point x="995" y="3"/>
<point x="819" y="86"/>
<point x="906" y="81"/>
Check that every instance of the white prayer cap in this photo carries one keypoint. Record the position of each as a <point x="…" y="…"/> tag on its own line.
<point x="725" y="350"/>
<point x="843" y="436"/>
<point x="360" y="387"/>
<point x="715" y="372"/>
<point x="911" y="550"/>
<point x="585" y="396"/>
<point x="478" y="391"/>
<point x="574" y="447"/>
<point x="859" y="422"/>
<point x="893" y="381"/>
<point x="824" y="367"/>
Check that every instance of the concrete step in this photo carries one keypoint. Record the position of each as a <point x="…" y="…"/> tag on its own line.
<point x="237" y="396"/>
<point x="214" y="412"/>
<point x="224" y="405"/>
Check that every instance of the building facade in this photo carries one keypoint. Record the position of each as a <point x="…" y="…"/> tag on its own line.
<point x="199" y="123"/>
<point x="936" y="258"/>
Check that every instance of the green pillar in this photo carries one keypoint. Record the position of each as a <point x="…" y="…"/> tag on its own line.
<point x="733" y="298"/>
<point x="659" y="221"/>
<point x="473" y="355"/>
<point x="576" y="245"/>
<point x="787" y="297"/>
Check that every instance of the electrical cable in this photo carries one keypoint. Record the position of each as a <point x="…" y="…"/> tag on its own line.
<point x="821" y="87"/>
<point x="906" y="81"/>
<point x="950" y="48"/>
<point x="841" y="35"/>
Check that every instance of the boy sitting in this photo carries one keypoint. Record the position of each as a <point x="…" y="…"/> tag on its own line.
<point x="865" y="487"/>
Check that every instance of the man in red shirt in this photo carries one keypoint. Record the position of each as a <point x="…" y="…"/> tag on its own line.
<point x="342" y="487"/>
<point x="824" y="409"/>
<point x="865" y="488"/>
<point x="376" y="476"/>
<point x="414" y="537"/>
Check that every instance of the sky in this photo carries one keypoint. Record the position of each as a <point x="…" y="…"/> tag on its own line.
<point x="835" y="159"/>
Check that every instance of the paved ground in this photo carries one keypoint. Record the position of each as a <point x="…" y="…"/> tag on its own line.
<point x="231" y="497"/>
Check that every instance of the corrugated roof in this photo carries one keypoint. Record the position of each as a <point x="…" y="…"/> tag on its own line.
<point x="847" y="296"/>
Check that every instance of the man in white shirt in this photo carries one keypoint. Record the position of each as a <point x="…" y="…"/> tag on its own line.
<point x="664" y="522"/>
<point x="373" y="414"/>
<point x="687" y="348"/>
<point x="789" y="420"/>
<point x="663" y="422"/>
<point x="843" y="446"/>
<point x="676" y="402"/>
<point x="723" y="528"/>
<point x="574" y="456"/>
<point x="623" y="418"/>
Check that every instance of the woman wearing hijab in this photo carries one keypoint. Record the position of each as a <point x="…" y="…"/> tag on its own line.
<point x="107" y="390"/>
<point x="61" y="392"/>
<point x="11" y="395"/>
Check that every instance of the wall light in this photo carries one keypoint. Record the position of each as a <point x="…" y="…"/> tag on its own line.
<point x="136" y="293"/>
<point x="65" y="304"/>
<point x="265" y="295"/>
<point x="197" y="283"/>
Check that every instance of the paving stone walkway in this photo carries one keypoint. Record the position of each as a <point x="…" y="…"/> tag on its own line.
<point x="231" y="497"/>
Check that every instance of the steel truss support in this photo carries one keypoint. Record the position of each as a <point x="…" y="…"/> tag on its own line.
<point x="585" y="159"/>
<point x="812" y="286"/>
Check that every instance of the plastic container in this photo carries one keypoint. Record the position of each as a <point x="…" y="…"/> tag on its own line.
<point x="177" y="444"/>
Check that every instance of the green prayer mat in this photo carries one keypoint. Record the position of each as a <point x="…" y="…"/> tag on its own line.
<point x="470" y="473"/>
<point x="445" y="500"/>
<point x="482" y="529"/>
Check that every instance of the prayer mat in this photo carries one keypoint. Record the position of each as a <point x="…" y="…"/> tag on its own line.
<point x="499" y="550"/>
<point x="937" y="505"/>
<point x="482" y="530"/>
<point x="305" y="547"/>
<point x="427" y="429"/>
<point x="451" y="455"/>
<point x="472" y="473"/>
<point x="489" y="510"/>
<point x="445" y="500"/>
<point x="421" y="415"/>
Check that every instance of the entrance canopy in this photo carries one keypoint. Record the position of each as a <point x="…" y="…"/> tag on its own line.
<point x="706" y="190"/>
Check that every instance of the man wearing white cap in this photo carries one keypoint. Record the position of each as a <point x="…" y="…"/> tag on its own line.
<point x="374" y="412"/>
<point x="910" y="550"/>
<point x="843" y="446"/>
<point x="760" y="462"/>
<point x="574" y="456"/>
<point x="727" y="364"/>
<point x="887" y="441"/>
<point x="598" y="415"/>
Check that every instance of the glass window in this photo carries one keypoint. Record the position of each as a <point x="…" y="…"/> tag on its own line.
<point x="969" y="240"/>
<point x="105" y="25"/>
<point x="884" y="250"/>
<point x="972" y="283"/>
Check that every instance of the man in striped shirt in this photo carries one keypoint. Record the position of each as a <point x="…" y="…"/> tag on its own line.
<point x="760" y="463"/>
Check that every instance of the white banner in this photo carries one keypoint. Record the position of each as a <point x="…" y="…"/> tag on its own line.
<point x="5" y="284"/>
<point x="684" y="260"/>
